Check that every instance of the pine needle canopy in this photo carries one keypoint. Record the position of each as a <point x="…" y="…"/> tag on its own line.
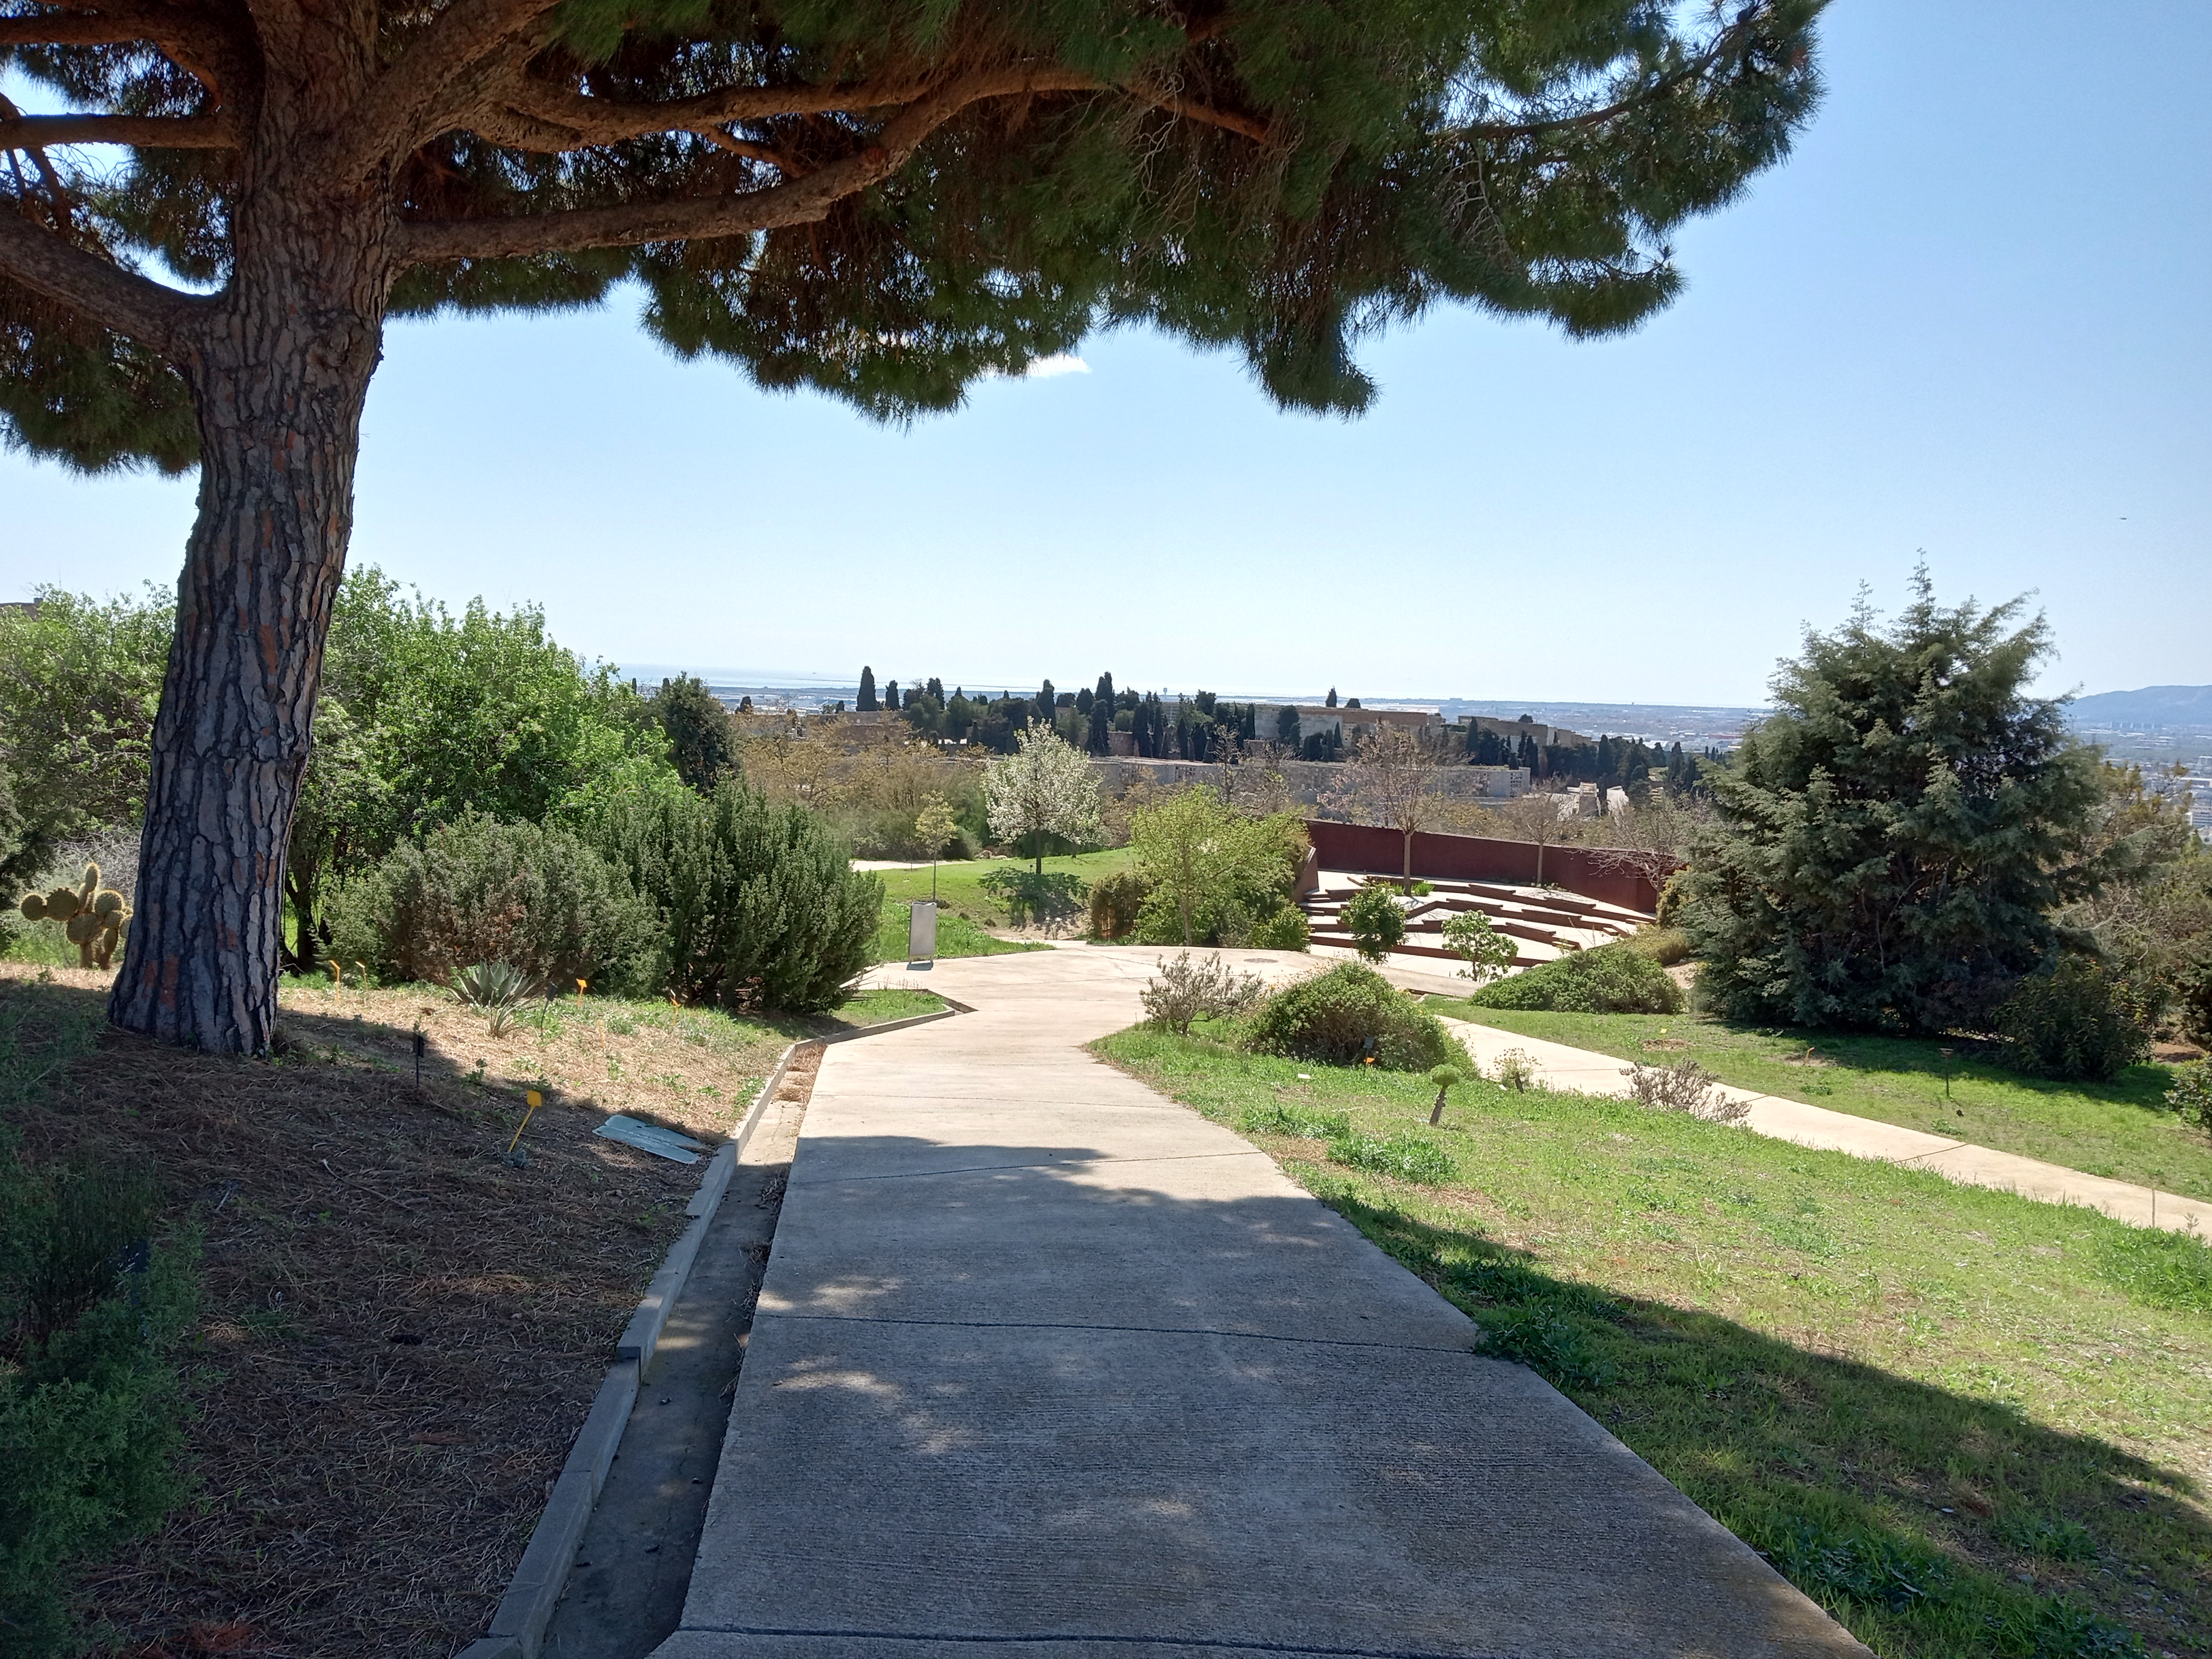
<point x="883" y="199"/>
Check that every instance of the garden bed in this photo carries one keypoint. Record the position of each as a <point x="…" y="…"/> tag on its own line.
<point x="399" y="1330"/>
<point x="1966" y="1423"/>
<point x="2122" y="1130"/>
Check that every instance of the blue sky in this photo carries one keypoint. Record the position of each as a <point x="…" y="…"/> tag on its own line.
<point x="1968" y="318"/>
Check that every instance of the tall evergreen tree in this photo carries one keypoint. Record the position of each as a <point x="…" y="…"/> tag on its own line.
<point x="883" y="200"/>
<point x="865" y="702"/>
<point x="1329" y="701"/>
<point x="936" y="689"/>
<point x="1047" y="698"/>
<point x="698" y="728"/>
<point x="891" y="695"/>
<point x="1888" y="846"/>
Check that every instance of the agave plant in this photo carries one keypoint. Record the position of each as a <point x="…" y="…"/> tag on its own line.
<point x="497" y="988"/>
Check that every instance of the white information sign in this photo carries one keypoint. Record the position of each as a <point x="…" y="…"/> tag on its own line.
<point x="921" y="932"/>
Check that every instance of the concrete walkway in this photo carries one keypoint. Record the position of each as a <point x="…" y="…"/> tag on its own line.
<point x="1046" y="1365"/>
<point x="1584" y="1072"/>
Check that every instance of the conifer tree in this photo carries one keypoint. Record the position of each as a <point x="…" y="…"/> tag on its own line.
<point x="1887" y="848"/>
<point x="937" y="689"/>
<point x="891" y="695"/>
<point x="865" y="702"/>
<point x="883" y="201"/>
<point x="698" y="728"/>
<point x="1329" y="701"/>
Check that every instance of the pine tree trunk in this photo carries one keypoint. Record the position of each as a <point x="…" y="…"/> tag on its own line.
<point x="279" y="380"/>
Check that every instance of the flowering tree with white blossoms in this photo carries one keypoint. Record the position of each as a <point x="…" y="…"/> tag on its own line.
<point x="1045" y="787"/>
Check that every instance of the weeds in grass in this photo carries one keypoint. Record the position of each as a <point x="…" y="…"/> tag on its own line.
<point x="1513" y="1069"/>
<point x="2163" y="1269"/>
<point x="1277" y="1118"/>
<point x="1407" y="1157"/>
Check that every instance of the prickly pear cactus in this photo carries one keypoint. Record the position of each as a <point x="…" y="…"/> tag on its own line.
<point x="92" y="916"/>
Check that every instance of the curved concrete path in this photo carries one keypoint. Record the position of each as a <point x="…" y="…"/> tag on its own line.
<point x="1583" y="1071"/>
<point x="1046" y="1365"/>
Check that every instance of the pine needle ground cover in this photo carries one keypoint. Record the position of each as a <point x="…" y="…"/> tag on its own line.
<point x="2122" y="1129"/>
<point x="969" y="915"/>
<point x="1967" y="1424"/>
<point x="400" y="1333"/>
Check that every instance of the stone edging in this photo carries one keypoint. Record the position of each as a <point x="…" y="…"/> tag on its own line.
<point x="518" y="1625"/>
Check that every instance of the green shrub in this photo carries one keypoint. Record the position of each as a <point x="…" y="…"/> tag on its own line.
<point x="1610" y="980"/>
<point x="1347" y="1015"/>
<point x="2066" y="1022"/>
<point x="1664" y="945"/>
<point x="1115" y="901"/>
<point x="477" y="891"/>
<point x="2192" y="1094"/>
<point x="92" y="1308"/>
<point x="758" y="902"/>
<point x="1375" y="920"/>
<point x="1283" y="930"/>
<point x="1407" y="1157"/>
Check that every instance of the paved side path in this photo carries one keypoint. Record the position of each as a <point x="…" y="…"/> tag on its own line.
<point x="1587" y="1073"/>
<point x="1048" y="1366"/>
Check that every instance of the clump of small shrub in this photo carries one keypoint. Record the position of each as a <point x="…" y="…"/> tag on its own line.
<point x="1406" y="1156"/>
<point x="93" y="1308"/>
<point x="539" y="899"/>
<point x="1348" y="1015"/>
<point x="2067" y="1022"/>
<point x="1684" y="1086"/>
<point x="1514" y="1069"/>
<point x="1282" y="930"/>
<point x="1664" y="945"/>
<point x="1375" y="920"/>
<point x="1192" y="988"/>
<point x="1609" y="979"/>
<point x="758" y="902"/>
<point x="1115" y="901"/>
<point x="2162" y="1269"/>
<point x="2192" y="1094"/>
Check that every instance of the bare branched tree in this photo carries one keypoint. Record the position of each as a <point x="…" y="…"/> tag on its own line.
<point x="1390" y="779"/>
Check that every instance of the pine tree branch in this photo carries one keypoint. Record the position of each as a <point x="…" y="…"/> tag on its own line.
<point x="97" y="289"/>
<point x="1729" y="39"/>
<point x="409" y="103"/>
<point x="71" y="29"/>
<point x="189" y="40"/>
<point x="140" y="132"/>
<point x="796" y="202"/>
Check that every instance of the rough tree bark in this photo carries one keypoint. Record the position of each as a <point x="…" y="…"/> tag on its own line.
<point x="280" y="375"/>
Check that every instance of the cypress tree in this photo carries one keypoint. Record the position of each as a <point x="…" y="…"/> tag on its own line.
<point x="884" y="202"/>
<point x="937" y="689"/>
<point x="698" y="728"/>
<point x="1329" y="701"/>
<point x="865" y="702"/>
<point x="891" y="695"/>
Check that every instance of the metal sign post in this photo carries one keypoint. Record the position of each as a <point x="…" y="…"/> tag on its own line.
<point x="921" y="934"/>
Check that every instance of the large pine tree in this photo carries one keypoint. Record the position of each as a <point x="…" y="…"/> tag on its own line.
<point x="880" y="199"/>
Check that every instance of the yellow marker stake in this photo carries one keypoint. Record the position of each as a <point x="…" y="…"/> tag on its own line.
<point x="580" y="984"/>
<point x="337" y="975"/>
<point x="534" y="1100"/>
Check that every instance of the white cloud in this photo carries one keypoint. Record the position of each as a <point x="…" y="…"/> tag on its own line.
<point x="1061" y="363"/>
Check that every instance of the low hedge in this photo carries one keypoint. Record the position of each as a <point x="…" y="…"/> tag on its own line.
<point x="1613" y="979"/>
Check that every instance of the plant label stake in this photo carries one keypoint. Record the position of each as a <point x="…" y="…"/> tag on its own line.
<point x="1947" y="1054"/>
<point x="533" y="1100"/>
<point x="421" y="1043"/>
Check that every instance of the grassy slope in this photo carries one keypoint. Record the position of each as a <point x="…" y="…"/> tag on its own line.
<point x="2121" y="1129"/>
<point x="966" y="912"/>
<point x="1827" y="1353"/>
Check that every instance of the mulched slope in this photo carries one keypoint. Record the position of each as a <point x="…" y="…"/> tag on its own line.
<point x="400" y="1332"/>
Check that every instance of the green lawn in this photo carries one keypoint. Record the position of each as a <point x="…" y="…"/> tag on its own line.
<point x="1966" y="1423"/>
<point x="966" y="912"/>
<point x="2121" y="1129"/>
<point x="881" y="1007"/>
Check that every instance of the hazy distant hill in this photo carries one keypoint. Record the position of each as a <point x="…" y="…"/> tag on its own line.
<point x="2187" y="708"/>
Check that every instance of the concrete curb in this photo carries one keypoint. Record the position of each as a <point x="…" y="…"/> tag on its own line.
<point x="518" y="1627"/>
<point x="896" y="1025"/>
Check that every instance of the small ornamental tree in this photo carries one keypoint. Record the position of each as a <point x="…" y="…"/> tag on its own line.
<point x="1390" y="781"/>
<point x="1887" y="849"/>
<point x="1045" y="787"/>
<point x="1488" y="953"/>
<point x="882" y="200"/>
